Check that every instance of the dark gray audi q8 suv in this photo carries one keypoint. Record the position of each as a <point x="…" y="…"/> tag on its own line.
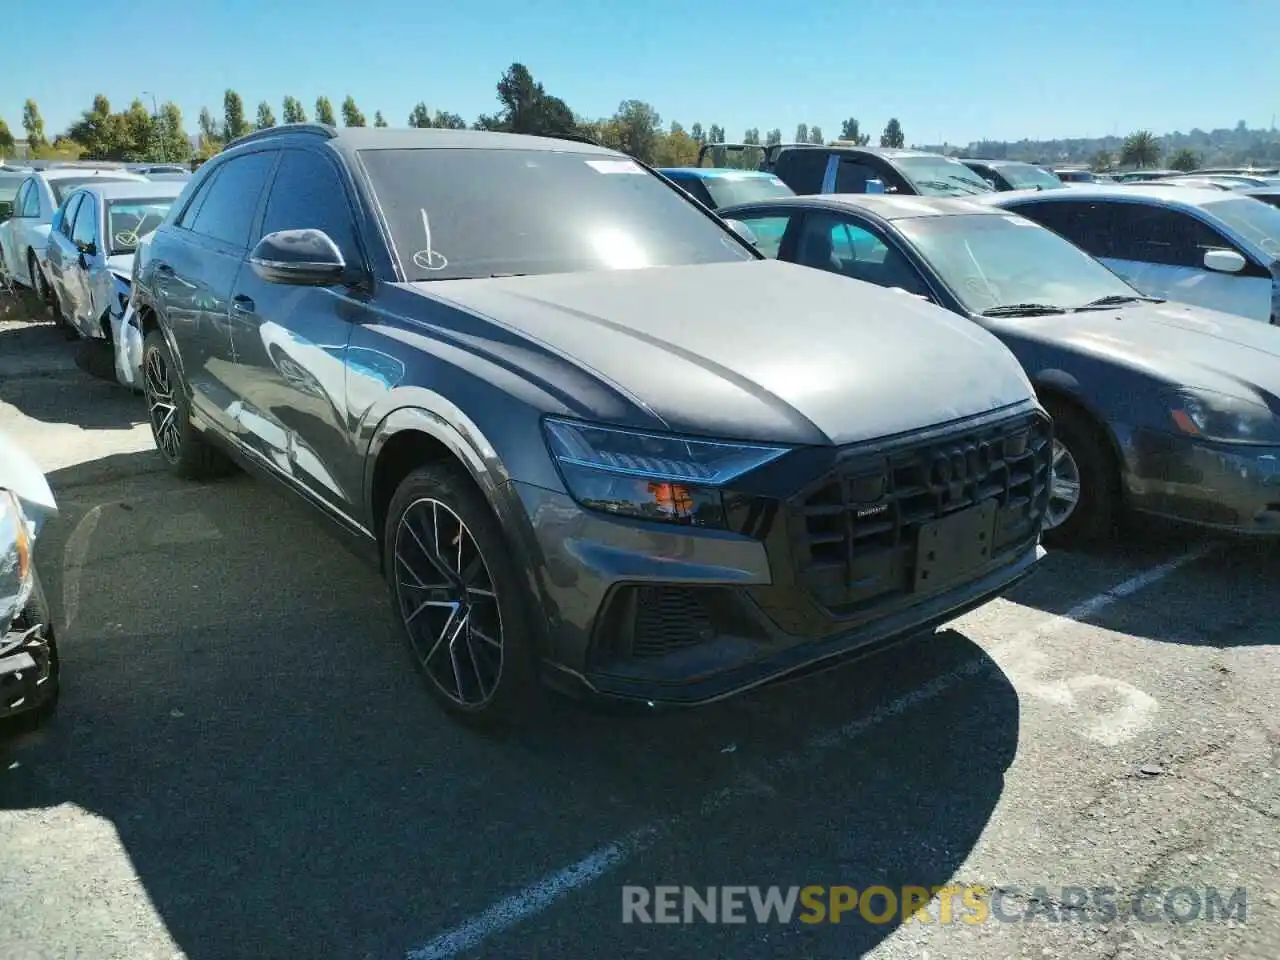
<point x="591" y="434"/>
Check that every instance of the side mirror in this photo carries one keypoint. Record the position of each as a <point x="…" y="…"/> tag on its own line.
<point x="298" y="257"/>
<point x="1224" y="261"/>
<point x="745" y="232"/>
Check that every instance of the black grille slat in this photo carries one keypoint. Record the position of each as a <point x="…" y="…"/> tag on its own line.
<point x="855" y="549"/>
<point x="669" y="619"/>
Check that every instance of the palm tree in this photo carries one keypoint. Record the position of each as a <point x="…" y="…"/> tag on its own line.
<point x="1184" y="160"/>
<point x="1140" y="150"/>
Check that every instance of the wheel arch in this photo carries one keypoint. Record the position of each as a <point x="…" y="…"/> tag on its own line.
<point x="1056" y="388"/>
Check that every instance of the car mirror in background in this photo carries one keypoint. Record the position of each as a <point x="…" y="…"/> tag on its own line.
<point x="299" y="257"/>
<point x="875" y="186"/>
<point x="745" y="232"/>
<point x="1224" y="261"/>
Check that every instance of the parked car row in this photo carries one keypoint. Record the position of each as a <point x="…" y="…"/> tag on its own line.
<point x="620" y="431"/>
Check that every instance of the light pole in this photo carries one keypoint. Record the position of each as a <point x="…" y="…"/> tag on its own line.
<point x="155" y="125"/>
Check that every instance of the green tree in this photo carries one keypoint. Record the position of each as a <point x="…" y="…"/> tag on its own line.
<point x="137" y="139"/>
<point x="448" y="121"/>
<point x="802" y="133"/>
<point x="638" y="129"/>
<point x="378" y="120"/>
<point x="751" y="135"/>
<point x="1102" y="161"/>
<point x="676" y="148"/>
<point x="210" y="138"/>
<point x="234" y="124"/>
<point x="33" y="123"/>
<point x="351" y="115"/>
<point x="775" y="136"/>
<point x="892" y="136"/>
<point x="6" y="138"/>
<point x="697" y="133"/>
<point x="98" y="131"/>
<point x="716" y="134"/>
<point x="420" y="116"/>
<point x="527" y="107"/>
<point x="1184" y="160"/>
<point x="266" y="117"/>
<point x="815" y="135"/>
<point x="174" y="144"/>
<point x="293" y="112"/>
<point x="850" y="131"/>
<point x="324" y="112"/>
<point x="1140" y="150"/>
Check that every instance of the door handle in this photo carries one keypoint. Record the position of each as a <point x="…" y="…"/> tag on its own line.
<point x="242" y="304"/>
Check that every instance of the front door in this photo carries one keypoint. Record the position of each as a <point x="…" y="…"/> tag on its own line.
<point x="291" y="342"/>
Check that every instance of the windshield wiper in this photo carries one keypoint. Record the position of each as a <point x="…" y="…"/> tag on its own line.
<point x="1116" y="300"/>
<point x="1023" y="310"/>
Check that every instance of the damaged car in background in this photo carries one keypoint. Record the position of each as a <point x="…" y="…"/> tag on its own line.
<point x="28" y="649"/>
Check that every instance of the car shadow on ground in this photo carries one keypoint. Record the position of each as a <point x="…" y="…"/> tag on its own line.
<point x="238" y="705"/>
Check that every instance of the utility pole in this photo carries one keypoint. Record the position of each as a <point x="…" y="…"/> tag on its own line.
<point x="155" y="125"/>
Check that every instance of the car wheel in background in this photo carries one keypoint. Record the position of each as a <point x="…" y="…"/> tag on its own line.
<point x="457" y="597"/>
<point x="1084" y="489"/>
<point x="186" y="452"/>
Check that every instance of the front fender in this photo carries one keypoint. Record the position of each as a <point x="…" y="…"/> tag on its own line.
<point x="20" y="474"/>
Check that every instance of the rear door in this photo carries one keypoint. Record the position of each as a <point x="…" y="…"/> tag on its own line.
<point x="61" y="254"/>
<point x="195" y="263"/>
<point x="291" y="341"/>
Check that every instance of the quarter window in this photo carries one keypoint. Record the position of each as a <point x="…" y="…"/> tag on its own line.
<point x="85" y="230"/>
<point x="68" y="215"/>
<point x="228" y="209"/>
<point x="31" y="200"/>
<point x="308" y="194"/>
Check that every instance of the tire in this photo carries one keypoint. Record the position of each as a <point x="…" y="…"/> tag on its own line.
<point x="513" y="693"/>
<point x="1094" y="515"/>
<point x="37" y="611"/>
<point x="188" y="454"/>
<point x="39" y="286"/>
<point x="67" y="328"/>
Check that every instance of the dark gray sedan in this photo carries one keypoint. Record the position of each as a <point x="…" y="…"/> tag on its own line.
<point x="1162" y="407"/>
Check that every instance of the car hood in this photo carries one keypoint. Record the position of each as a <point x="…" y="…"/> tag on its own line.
<point x="1175" y="342"/>
<point x="758" y="350"/>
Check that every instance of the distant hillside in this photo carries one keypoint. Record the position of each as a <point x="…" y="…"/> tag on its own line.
<point x="1236" y="146"/>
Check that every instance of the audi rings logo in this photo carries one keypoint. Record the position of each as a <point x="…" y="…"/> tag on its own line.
<point x="955" y="468"/>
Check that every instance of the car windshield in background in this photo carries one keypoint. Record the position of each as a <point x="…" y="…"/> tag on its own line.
<point x="728" y="190"/>
<point x="992" y="261"/>
<point x="457" y="213"/>
<point x="9" y="184"/>
<point x="1255" y="221"/>
<point x="939" y="177"/>
<point x="62" y="186"/>
<point x="130" y="220"/>
<point x="1027" y="176"/>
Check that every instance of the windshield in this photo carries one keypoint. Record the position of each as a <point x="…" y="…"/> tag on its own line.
<point x="61" y="186"/>
<point x="129" y="220"/>
<point x="1025" y="176"/>
<point x="457" y="213"/>
<point x="1000" y="260"/>
<point x="940" y="177"/>
<point x="1256" y="222"/>
<point x="727" y="190"/>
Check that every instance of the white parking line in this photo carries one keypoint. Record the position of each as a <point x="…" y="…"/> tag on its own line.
<point x="535" y="898"/>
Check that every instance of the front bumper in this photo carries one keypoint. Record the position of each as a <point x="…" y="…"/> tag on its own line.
<point x="676" y="615"/>
<point x="1225" y="487"/>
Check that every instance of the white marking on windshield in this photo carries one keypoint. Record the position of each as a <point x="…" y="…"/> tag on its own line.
<point x="428" y="259"/>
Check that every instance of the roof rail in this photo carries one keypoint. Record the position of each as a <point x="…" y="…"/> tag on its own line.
<point x="316" y="129"/>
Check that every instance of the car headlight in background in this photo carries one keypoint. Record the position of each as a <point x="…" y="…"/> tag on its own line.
<point x="651" y="476"/>
<point x="15" y="558"/>
<point x="1217" y="416"/>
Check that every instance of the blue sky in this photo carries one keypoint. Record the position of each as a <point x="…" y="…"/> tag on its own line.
<point x="952" y="70"/>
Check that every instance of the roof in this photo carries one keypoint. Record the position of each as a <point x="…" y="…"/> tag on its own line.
<point x="714" y="173"/>
<point x="1000" y="163"/>
<point x="409" y="138"/>
<point x="881" y="205"/>
<point x="1173" y="196"/>
<point x="62" y="173"/>
<point x="136" y="189"/>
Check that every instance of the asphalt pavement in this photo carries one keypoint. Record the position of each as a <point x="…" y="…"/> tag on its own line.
<point x="244" y="764"/>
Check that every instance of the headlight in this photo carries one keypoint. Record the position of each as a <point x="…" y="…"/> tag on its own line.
<point x="15" y="559"/>
<point x="651" y="476"/>
<point x="1217" y="416"/>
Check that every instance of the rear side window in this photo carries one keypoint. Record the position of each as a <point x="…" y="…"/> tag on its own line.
<point x="802" y="169"/>
<point x="227" y="210"/>
<point x="1077" y="222"/>
<point x="852" y="176"/>
<point x="307" y="194"/>
<point x="31" y="200"/>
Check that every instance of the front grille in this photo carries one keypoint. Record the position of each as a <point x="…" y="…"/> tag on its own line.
<point x="854" y="534"/>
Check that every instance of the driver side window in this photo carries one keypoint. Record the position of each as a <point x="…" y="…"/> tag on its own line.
<point x="838" y="244"/>
<point x="85" y="230"/>
<point x="769" y="231"/>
